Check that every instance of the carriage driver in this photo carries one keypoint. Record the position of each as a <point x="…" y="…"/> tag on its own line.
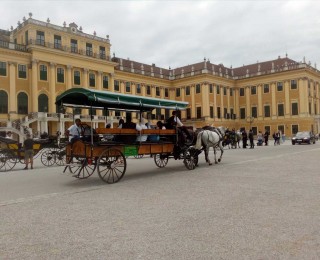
<point x="174" y="120"/>
<point x="74" y="132"/>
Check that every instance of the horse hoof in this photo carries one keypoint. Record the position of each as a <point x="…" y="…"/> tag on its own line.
<point x="219" y="160"/>
<point x="216" y="162"/>
<point x="210" y="163"/>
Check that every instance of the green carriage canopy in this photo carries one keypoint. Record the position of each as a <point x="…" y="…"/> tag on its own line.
<point x="83" y="97"/>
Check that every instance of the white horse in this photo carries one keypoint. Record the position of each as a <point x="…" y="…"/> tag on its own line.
<point x="211" y="138"/>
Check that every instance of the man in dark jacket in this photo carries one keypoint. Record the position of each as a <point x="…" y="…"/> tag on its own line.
<point x="28" y="151"/>
<point x="251" y="139"/>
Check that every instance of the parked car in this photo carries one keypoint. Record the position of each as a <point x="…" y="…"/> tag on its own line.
<point x="303" y="138"/>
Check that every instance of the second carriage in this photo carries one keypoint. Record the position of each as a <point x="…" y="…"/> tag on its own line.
<point x="108" y="157"/>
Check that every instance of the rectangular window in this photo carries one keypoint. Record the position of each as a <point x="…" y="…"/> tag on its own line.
<point x="157" y="91"/>
<point x="231" y="92"/>
<point x="210" y="88"/>
<point x="43" y="72"/>
<point x="167" y="113"/>
<point x="218" y="112"/>
<point x="225" y="113"/>
<point x="294" y="129"/>
<point x="166" y="92"/>
<point x="253" y="90"/>
<point x="188" y="113"/>
<point x="57" y="42"/>
<point x="294" y="109"/>
<point x="198" y="112"/>
<point x="102" y="52"/>
<point x="187" y="90"/>
<point x="60" y="75"/>
<point x="242" y="113"/>
<point x="92" y="80"/>
<point x="148" y="90"/>
<point x="178" y="92"/>
<point x="309" y="108"/>
<point x="232" y="115"/>
<point x="89" y="49"/>
<point x="76" y="77"/>
<point x="26" y="35"/>
<point x="3" y="68"/>
<point x="254" y="130"/>
<point x="224" y="91"/>
<point x="241" y="92"/>
<point x="267" y="111"/>
<point x="254" y="112"/>
<point x="211" y="112"/>
<point x="218" y="89"/>
<point x="294" y="84"/>
<point x="280" y="110"/>
<point x="198" y="89"/>
<point x="281" y="128"/>
<point x="22" y="71"/>
<point x="128" y="86"/>
<point x="138" y="88"/>
<point x="116" y="85"/>
<point x="40" y="38"/>
<point x="105" y="82"/>
<point x="266" y="88"/>
<point x="279" y="86"/>
<point x="74" y="46"/>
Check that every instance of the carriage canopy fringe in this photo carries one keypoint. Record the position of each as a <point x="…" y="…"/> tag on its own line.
<point x="81" y="97"/>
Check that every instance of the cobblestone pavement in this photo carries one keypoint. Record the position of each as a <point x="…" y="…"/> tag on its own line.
<point x="260" y="203"/>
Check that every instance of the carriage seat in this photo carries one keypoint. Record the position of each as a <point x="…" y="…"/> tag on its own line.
<point x="122" y="134"/>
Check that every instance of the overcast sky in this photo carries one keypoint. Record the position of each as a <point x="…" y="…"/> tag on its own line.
<point x="178" y="33"/>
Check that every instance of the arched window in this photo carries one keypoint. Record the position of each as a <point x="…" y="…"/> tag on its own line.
<point x="43" y="103"/>
<point x="22" y="103"/>
<point x="3" y="102"/>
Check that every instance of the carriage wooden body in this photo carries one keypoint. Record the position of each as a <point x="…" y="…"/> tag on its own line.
<point x="109" y="157"/>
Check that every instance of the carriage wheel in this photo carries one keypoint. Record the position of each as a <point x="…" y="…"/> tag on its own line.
<point x="61" y="157"/>
<point x="138" y="156"/>
<point x="161" y="160"/>
<point x="190" y="158"/>
<point x="80" y="167"/>
<point x="48" y="157"/>
<point x="112" y="165"/>
<point x="7" y="160"/>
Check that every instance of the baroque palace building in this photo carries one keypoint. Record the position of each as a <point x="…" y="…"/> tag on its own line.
<point x="39" y="60"/>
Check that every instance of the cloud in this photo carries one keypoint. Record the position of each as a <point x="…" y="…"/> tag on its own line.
<point x="178" y="33"/>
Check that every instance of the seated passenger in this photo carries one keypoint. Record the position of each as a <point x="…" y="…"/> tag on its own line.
<point x="160" y="125"/>
<point x="127" y="138"/>
<point x="140" y="126"/>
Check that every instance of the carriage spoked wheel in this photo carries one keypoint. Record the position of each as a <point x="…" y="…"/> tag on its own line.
<point x="48" y="157"/>
<point x="161" y="160"/>
<point x="112" y="165"/>
<point x="81" y="168"/>
<point x="61" y="157"/>
<point x="191" y="158"/>
<point x="7" y="160"/>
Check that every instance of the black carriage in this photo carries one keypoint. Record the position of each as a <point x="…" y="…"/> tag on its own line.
<point x="107" y="156"/>
<point x="51" y="151"/>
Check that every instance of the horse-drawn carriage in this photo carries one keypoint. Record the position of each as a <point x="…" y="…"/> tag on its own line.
<point x="108" y="157"/>
<point x="50" y="150"/>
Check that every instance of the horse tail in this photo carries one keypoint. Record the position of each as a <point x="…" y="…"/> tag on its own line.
<point x="199" y="141"/>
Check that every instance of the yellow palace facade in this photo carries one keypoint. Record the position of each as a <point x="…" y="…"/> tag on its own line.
<point x="40" y="60"/>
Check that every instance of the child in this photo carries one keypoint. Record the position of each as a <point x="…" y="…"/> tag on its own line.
<point x="28" y="151"/>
